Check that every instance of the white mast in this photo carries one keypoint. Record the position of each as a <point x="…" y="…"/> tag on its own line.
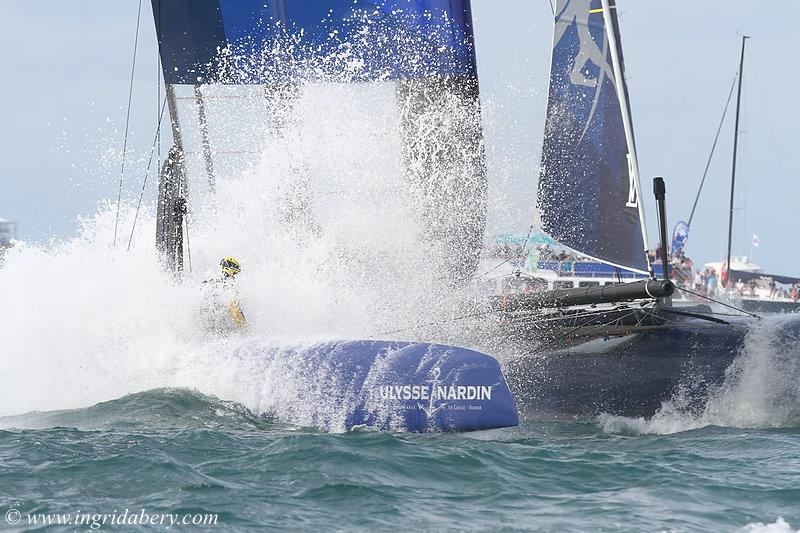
<point x="626" y="122"/>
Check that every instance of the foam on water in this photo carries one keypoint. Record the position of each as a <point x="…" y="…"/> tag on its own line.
<point x="759" y="391"/>
<point x="778" y="526"/>
<point x="331" y="246"/>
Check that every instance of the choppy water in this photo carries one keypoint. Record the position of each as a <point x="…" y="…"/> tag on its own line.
<point x="178" y="451"/>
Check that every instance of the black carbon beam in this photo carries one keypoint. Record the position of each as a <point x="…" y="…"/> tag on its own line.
<point x="622" y="292"/>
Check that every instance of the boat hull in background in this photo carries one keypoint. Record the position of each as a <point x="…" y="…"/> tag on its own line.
<point x="767" y="306"/>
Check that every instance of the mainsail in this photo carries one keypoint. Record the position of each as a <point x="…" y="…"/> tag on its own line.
<point x="270" y="38"/>
<point x="588" y="196"/>
<point x="425" y="47"/>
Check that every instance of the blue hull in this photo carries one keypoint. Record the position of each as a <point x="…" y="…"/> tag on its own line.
<point x="630" y="376"/>
<point x="384" y="385"/>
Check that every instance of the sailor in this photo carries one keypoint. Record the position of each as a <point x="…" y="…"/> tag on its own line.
<point x="222" y="310"/>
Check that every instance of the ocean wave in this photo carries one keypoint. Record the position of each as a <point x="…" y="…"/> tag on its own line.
<point x="166" y="408"/>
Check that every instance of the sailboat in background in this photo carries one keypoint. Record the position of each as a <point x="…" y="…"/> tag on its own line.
<point x="741" y="280"/>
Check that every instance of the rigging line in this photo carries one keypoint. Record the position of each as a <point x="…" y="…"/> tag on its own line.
<point x="127" y="120"/>
<point x="188" y="246"/>
<point x="146" y="173"/>
<point x="524" y="244"/>
<point x="436" y="323"/>
<point x="552" y="7"/>
<point x="531" y="317"/>
<point x="158" y="83"/>
<point x="775" y="146"/>
<point x="611" y="321"/>
<point x="713" y="147"/>
<point x="717" y="302"/>
<point x="588" y="332"/>
<point x="649" y="312"/>
<point x="719" y="314"/>
<point x="695" y="315"/>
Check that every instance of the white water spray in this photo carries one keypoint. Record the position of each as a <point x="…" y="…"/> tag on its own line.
<point x="760" y="389"/>
<point x="326" y="230"/>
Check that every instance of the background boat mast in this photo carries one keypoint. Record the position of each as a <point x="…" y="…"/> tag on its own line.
<point x="622" y="95"/>
<point x="735" y="144"/>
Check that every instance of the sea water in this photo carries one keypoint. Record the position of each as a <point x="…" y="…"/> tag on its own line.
<point x="179" y="452"/>
<point x="117" y="402"/>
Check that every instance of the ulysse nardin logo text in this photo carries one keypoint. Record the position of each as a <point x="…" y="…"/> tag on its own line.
<point x="434" y="396"/>
<point x="436" y="392"/>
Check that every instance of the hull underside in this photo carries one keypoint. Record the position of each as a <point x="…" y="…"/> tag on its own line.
<point x="629" y="374"/>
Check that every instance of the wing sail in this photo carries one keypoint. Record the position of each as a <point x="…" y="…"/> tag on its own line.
<point x="587" y="198"/>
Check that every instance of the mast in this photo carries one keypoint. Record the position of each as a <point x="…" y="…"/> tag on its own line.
<point x="735" y="145"/>
<point x="172" y="180"/>
<point x="622" y="95"/>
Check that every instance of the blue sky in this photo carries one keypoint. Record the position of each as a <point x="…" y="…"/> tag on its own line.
<point x="67" y="64"/>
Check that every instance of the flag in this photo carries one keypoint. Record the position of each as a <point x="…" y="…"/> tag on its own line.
<point x="679" y="236"/>
<point x="755" y="239"/>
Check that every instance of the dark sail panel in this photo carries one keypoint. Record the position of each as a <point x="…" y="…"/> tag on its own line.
<point x="386" y="39"/>
<point x="586" y="199"/>
<point x="425" y="47"/>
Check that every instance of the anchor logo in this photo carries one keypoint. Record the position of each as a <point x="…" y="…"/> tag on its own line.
<point x="430" y="410"/>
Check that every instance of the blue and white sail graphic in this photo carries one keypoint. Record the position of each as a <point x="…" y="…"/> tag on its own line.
<point x="679" y="237"/>
<point x="387" y="39"/>
<point x="587" y="197"/>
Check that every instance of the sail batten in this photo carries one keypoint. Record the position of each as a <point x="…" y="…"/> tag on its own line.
<point x="589" y="198"/>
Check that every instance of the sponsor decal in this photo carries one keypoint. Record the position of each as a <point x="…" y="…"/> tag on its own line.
<point x="426" y="392"/>
<point x="436" y="395"/>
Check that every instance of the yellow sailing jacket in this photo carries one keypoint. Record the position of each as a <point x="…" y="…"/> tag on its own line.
<point x="236" y="314"/>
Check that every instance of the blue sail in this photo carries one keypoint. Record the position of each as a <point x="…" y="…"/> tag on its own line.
<point x="586" y="198"/>
<point x="389" y="39"/>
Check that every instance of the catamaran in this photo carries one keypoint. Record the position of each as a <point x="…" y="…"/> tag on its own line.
<point x="619" y="348"/>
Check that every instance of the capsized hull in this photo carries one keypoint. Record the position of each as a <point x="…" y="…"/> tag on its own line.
<point x="384" y="385"/>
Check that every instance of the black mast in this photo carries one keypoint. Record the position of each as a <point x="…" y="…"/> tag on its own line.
<point x="735" y="143"/>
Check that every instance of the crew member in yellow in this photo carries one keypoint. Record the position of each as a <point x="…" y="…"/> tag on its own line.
<point x="230" y="267"/>
<point x="223" y="295"/>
